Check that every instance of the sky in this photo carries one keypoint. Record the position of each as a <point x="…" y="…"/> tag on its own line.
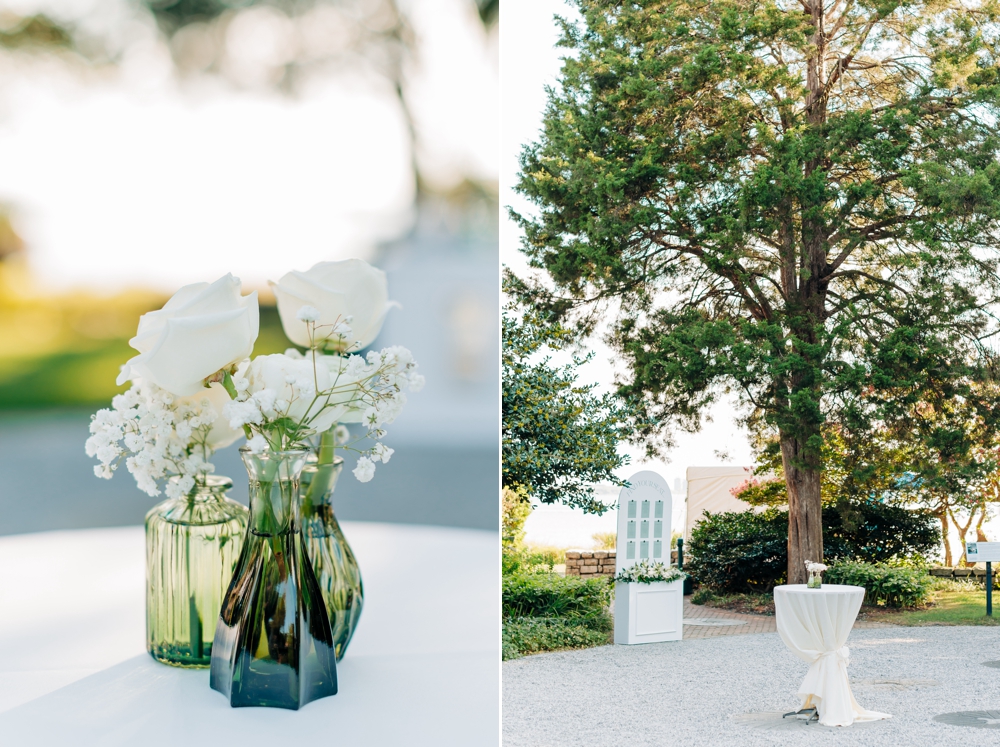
<point x="156" y="181"/>
<point x="530" y="63"/>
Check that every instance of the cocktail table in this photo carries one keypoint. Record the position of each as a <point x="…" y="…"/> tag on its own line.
<point x="815" y="624"/>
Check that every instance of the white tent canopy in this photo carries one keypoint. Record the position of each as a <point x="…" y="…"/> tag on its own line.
<point x="708" y="490"/>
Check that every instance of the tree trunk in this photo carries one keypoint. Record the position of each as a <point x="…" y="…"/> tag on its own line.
<point x="980" y="534"/>
<point x="962" y="533"/>
<point x="805" y="510"/>
<point x="943" y="518"/>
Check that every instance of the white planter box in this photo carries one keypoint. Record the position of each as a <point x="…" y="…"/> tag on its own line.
<point x="649" y="613"/>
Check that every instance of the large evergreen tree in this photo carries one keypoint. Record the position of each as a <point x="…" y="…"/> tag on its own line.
<point x="795" y="199"/>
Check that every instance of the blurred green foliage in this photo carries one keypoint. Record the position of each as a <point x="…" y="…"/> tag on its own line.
<point x="66" y="351"/>
<point x="35" y="32"/>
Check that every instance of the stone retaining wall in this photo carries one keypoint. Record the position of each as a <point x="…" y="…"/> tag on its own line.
<point x="590" y="562"/>
<point x="595" y="562"/>
<point x="977" y="573"/>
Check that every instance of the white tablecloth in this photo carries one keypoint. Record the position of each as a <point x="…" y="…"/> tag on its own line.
<point x="423" y="667"/>
<point x="814" y="624"/>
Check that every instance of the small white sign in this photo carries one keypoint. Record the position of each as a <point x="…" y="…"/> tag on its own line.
<point x="982" y="552"/>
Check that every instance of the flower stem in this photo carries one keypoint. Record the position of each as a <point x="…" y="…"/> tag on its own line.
<point x="230" y="387"/>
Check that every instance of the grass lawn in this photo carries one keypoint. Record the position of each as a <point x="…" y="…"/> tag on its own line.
<point x="80" y="361"/>
<point x="947" y="607"/>
<point x="964" y="605"/>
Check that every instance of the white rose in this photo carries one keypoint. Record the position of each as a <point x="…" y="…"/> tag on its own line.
<point x="295" y="383"/>
<point x="351" y="292"/>
<point x="202" y="329"/>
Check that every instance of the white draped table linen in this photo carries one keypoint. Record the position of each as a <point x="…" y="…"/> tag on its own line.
<point x="814" y="624"/>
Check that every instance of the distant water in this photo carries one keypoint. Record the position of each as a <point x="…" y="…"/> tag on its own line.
<point x="570" y="527"/>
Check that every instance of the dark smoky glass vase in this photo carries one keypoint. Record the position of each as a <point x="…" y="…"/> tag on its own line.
<point x="273" y="644"/>
<point x="192" y="543"/>
<point x="332" y="559"/>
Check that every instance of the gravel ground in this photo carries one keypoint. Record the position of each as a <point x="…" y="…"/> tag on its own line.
<point x="732" y="690"/>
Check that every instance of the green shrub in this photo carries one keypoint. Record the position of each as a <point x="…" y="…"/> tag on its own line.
<point x="605" y="540"/>
<point x="532" y="635"/>
<point x="551" y="554"/>
<point x="702" y="596"/>
<point x="523" y="560"/>
<point x="516" y="510"/>
<point x="550" y="595"/>
<point x="748" y="552"/>
<point x="884" y="584"/>
<point x="742" y="551"/>
<point x="956" y="584"/>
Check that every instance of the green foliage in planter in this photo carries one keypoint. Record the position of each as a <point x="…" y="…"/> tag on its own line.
<point x="747" y="551"/>
<point x="884" y="584"/>
<point x="550" y="595"/>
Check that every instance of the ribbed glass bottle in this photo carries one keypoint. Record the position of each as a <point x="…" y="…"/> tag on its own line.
<point x="332" y="559"/>
<point x="192" y="544"/>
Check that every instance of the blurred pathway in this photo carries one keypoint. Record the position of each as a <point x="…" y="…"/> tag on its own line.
<point x="47" y="482"/>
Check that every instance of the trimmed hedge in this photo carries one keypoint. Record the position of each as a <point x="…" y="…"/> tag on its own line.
<point x="533" y="635"/>
<point x="748" y="552"/>
<point x="548" y="612"/>
<point x="551" y="595"/>
<point x="889" y="586"/>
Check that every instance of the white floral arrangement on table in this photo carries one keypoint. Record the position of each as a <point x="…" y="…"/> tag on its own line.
<point x="195" y="389"/>
<point x="815" y="571"/>
<point x="645" y="572"/>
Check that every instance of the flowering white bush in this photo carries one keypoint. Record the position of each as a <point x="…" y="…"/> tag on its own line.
<point x="159" y="436"/>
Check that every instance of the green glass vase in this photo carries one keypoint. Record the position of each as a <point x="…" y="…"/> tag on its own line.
<point x="192" y="544"/>
<point x="332" y="559"/>
<point x="273" y="644"/>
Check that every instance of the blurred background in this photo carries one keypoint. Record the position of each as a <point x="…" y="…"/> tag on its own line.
<point x="146" y="144"/>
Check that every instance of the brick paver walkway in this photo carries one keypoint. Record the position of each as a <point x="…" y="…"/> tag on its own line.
<point x="753" y="623"/>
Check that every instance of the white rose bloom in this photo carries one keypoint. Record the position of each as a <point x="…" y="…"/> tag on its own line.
<point x="280" y="378"/>
<point x="202" y="329"/>
<point x="351" y="294"/>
